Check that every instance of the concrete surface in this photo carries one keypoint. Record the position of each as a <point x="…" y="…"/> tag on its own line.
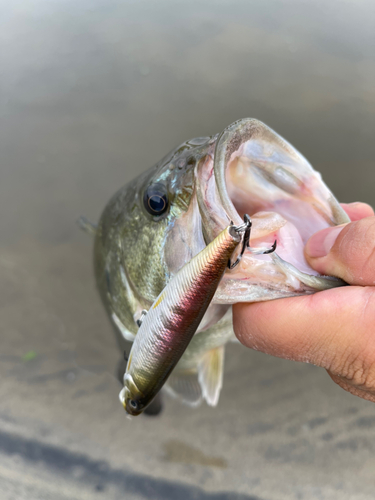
<point x="91" y="93"/>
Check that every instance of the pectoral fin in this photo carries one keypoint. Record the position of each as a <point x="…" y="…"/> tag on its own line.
<point x="185" y="387"/>
<point x="127" y="334"/>
<point x="211" y="375"/>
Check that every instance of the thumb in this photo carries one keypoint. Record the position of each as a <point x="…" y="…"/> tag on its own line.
<point x="346" y="251"/>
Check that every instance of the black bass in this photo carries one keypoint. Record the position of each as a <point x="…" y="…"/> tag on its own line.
<point x="158" y="222"/>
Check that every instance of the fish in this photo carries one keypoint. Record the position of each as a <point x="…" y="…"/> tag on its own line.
<point x="170" y="213"/>
<point x="168" y="327"/>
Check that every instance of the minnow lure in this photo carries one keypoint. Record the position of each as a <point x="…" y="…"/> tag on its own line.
<point x="170" y="324"/>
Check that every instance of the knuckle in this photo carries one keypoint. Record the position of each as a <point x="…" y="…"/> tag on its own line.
<point x="359" y="373"/>
<point x="364" y="394"/>
<point x="356" y="363"/>
<point x="356" y="371"/>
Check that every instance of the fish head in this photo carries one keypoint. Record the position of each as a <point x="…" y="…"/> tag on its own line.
<point x="147" y="231"/>
<point x="159" y="221"/>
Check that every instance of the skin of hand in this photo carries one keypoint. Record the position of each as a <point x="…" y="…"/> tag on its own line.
<point x="334" y="329"/>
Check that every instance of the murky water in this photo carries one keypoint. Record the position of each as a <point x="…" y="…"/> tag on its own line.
<point x="93" y="92"/>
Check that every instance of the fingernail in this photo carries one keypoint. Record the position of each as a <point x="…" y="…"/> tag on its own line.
<point x="321" y="242"/>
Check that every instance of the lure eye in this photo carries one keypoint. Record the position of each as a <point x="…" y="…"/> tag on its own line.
<point x="156" y="199"/>
<point x="133" y="404"/>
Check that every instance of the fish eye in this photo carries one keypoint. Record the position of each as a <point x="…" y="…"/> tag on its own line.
<point x="156" y="199"/>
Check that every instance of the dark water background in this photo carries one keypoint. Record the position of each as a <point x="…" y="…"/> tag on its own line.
<point x="93" y="92"/>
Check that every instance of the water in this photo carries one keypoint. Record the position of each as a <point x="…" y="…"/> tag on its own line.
<point x="91" y="94"/>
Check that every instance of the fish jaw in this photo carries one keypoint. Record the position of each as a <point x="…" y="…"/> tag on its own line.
<point x="255" y="171"/>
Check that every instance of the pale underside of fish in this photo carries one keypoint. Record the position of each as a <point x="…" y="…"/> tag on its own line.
<point x="206" y="183"/>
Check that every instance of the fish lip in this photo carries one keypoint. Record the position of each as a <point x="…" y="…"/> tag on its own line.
<point x="220" y="210"/>
<point x="227" y="142"/>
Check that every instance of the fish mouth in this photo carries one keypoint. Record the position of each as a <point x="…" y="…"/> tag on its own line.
<point x="254" y="171"/>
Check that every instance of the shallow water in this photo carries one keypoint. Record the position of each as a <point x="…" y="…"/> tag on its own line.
<point x="91" y="94"/>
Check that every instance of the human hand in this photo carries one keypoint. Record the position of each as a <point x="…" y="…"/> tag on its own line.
<point x="334" y="329"/>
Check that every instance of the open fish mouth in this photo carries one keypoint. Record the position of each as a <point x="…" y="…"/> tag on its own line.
<point x="253" y="170"/>
<point x="197" y="190"/>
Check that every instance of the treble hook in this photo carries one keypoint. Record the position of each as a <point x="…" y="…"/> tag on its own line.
<point x="141" y="318"/>
<point x="246" y="226"/>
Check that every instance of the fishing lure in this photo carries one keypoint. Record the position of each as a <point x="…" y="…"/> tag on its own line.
<point x="170" y="324"/>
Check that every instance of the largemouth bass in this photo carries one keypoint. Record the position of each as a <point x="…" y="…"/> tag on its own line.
<point x="162" y="219"/>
